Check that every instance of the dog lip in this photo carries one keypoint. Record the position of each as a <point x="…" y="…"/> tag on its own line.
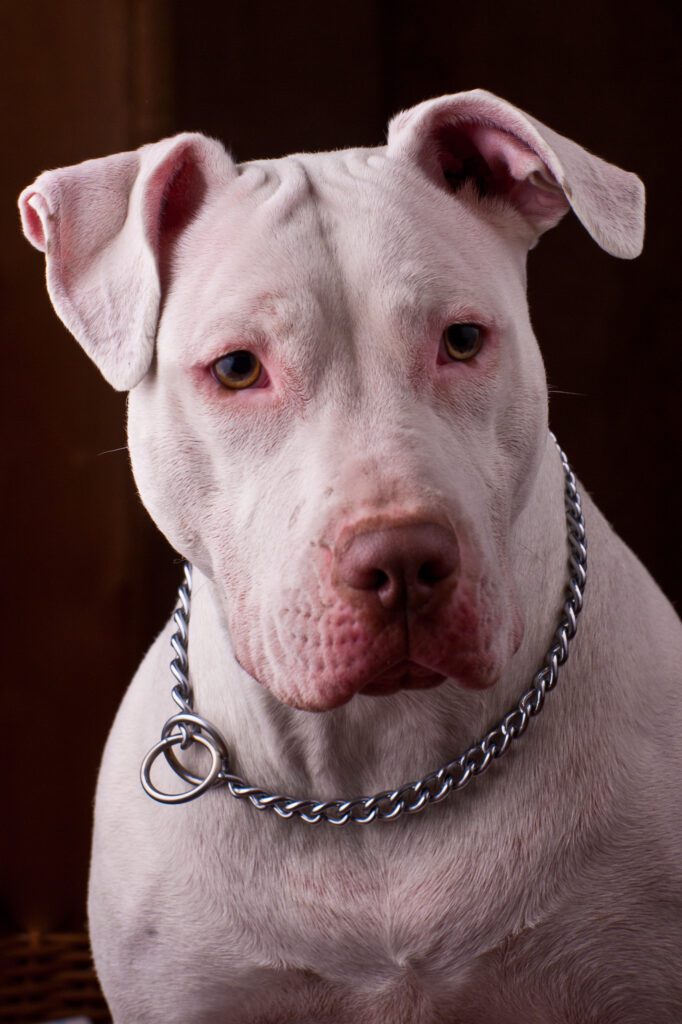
<point x="399" y="668"/>
<point x="404" y="674"/>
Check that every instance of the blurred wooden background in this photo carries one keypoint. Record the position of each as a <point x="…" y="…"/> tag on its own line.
<point x="89" y="579"/>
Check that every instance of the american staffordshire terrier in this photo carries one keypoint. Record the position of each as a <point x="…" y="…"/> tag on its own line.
<point x="338" y="415"/>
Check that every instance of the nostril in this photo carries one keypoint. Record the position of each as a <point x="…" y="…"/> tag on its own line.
<point x="379" y="579"/>
<point x="433" y="571"/>
<point x="398" y="564"/>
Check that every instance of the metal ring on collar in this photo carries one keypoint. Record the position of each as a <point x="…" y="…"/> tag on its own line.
<point x="191" y="726"/>
<point x="199" y="785"/>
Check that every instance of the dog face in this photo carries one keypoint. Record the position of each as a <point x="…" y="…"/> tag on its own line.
<point x="363" y="435"/>
<point x="339" y="406"/>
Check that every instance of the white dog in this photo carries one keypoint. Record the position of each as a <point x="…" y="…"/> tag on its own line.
<point x="338" y="414"/>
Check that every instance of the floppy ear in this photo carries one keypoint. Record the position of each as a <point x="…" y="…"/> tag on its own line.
<point x="475" y="135"/>
<point x="106" y="227"/>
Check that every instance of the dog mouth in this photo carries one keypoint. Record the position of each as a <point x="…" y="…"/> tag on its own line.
<point x="403" y="675"/>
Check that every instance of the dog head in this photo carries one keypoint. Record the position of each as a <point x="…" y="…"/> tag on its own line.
<point x="337" y="405"/>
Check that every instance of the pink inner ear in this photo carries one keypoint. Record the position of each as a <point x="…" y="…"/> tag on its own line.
<point x="460" y="160"/>
<point x="174" y="195"/>
<point x="500" y="165"/>
<point x="32" y="220"/>
<point x="182" y="197"/>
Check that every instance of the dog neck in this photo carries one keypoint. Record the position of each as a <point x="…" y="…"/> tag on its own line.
<point x="367" y="745"/>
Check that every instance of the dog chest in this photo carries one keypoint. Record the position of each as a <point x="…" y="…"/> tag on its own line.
<point x="320" y="909"/>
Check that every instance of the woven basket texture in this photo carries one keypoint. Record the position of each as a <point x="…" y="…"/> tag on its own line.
<point x="47" y="977"/>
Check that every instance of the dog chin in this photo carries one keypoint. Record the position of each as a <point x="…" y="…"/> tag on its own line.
<point x="403" y="677"/>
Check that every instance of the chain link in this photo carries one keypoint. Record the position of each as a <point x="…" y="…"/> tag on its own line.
<point x="187" y="727"/>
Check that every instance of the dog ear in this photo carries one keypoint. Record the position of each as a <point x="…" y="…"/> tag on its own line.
<point x="475" y="135"/>
<point x="107" y="228"/>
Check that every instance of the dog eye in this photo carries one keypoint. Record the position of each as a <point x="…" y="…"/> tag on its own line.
<point x="237" y="370"/>
<point x="462" y="341"/>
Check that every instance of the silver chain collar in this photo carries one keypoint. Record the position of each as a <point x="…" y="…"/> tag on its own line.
<point x="187" y="727"/>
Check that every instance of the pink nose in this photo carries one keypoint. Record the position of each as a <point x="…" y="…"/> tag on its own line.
<point x="400" y="565"/>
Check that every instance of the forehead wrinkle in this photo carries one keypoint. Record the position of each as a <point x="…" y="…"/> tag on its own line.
<point x="294" y="187"/>
<point x="309" y="236"/>
<point x="291" y="231"/>
<point x="324" y="254"/>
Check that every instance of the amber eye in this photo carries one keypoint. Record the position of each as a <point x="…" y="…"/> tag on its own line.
<point x="237" y="370"/>
<point x="462" y="341"/>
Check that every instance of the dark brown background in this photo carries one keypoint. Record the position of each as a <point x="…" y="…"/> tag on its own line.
<point x="89" y="580"/>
